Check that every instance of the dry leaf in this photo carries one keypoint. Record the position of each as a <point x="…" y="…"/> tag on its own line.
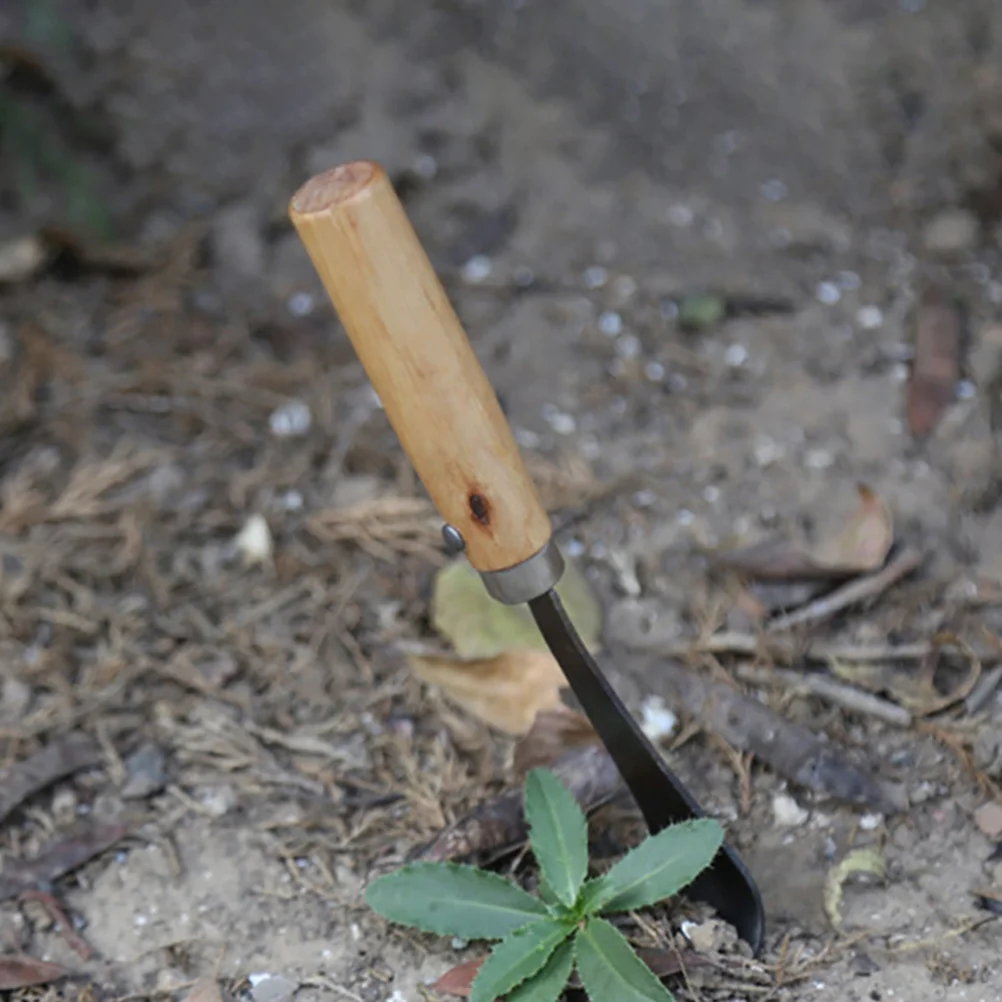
<point x="205" y="989"/>
<point x="479" y="626"/>
<point x="459" y="980"/>
<point x="868" y="861"/>
<point x="862" y="546"/>
<point x="936" y="370"/>
<point x="505" y="691"/>
<point x="20" y="971"/>
<point x="552" y="735"/>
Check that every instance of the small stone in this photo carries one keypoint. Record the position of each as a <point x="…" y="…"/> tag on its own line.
<point x="21" y="259"/>
<point x="146" y="770"/>
<point x="705" y="937"/>
<point x="656" y="720"/>
<point x="595" y="277"/>
<point x="828" y="293"/>
<point x="951" y="232"/>
<point x="254" y="542"/>
<point x="869" y="822"/>
<point x="477" y="269"/>
<point x="787" y="812"/>
<point x="291" y="419"/>
<point x="15" y="696"/>
<point x="219" y="800"/>
<point x="736" y="355"/>
<point x="610" y="323"/>
<point x="64" y="806"/>
<point x="870" y="317"/>
<point x="988" y="818"/>
<point x="271" y="987"/>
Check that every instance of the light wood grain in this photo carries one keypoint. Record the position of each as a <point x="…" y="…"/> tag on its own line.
<point x="420" y="362"/>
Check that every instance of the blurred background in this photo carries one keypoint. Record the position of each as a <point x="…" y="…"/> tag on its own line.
<point x="722" y="260"/>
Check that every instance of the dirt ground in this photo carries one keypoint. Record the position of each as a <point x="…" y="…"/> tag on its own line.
<point x="575" y="171"/>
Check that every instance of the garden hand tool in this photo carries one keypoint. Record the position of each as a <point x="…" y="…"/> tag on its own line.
<point x="449" y="421"/>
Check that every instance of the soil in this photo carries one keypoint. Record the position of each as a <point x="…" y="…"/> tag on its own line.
<point x="575" y="172"/>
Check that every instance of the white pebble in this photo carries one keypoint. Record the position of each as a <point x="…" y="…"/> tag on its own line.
<point x="768" y="451"/>
<point x="563" y="423"/>
<point x="787" y="812"/>
<point x="819" y="459"/>
<point x="828" y="293"/>
<point x="685" y="517"/>
<point x="610" y="323"/>
<point x="595" y="277"/>
<point x="711" y="494"/>
<point x="654" y="371"/>
<point x="301" y="304"/>
<point x="966" y="390"/>
<point x="656" y="720"/>
<point x="526" y="438"/>
<point x="736" y="355"/>
<point x="868" y="822"/>
<point x="644" y="498"/>
<point x="680" y="215"/>
<point x="477" y="269"/>
<point x="254" y="541"/>
<point x="292" y="500"/>
<point x="870" y="317"/>
<point x="899" y="373"/>
<point x="291" y="419"/>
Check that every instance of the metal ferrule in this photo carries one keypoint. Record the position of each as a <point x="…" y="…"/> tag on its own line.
<point x="528" y="580"/>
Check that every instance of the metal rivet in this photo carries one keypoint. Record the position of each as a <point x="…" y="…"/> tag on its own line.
<point x="453" y="539"/>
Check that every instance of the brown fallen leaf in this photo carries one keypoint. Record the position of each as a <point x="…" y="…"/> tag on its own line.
<point x="663" y="963"/>
<point x="936" y="369"/>
<point x="58" y="858"/>
<point x="57" y="760"/>
<point x="506" y="691"/>
<point x="21" y="971"/>
<point x="205" y="989"/>
<point x="861" y="546"/>
<point x="552" y="735"/>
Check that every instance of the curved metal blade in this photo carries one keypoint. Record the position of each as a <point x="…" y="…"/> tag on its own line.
<point x="661" y="796"/>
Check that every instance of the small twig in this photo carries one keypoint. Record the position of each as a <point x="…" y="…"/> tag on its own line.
<point x="963" y="930"/>
<point x="858" y="590"/>
<point x="55" y="912"/>
<point x="736" y="642"/>
<point x="984" y="690"/>
<point x="846" y="696"/>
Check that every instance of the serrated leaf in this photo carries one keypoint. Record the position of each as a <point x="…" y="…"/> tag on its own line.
<point x="657" y="868"/>
<point x="453" y="900"/>
<point x="548" y="984"/>
<point x="518" y="956"/>
<point x="609" y="969"/>
<point x="558" y="834"/>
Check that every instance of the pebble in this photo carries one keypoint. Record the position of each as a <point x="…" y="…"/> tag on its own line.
<point x="988" y="818"/>
<point x="477" y="269"/>
<point x="291" y="419"/>
<point x="254" y="542"/>
<point x="219" y="800"/>
<point x="21" y="258"/>
<point x="787" y="812"/>
<point x="870" y="317"/>
<point x="595" y="277"/>
<point x="146" y="770"/>
<point x="736" y="355"/>
<point x="828" y="293"/>
<point x="271" y="987"/>
<point x="705" y="937"/>
<point x="952" y="231"/>
<point x="656" y="720"/>
<point x="610" y="323"/>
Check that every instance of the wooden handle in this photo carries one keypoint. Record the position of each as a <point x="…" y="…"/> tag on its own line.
<point x="419" y="360"/>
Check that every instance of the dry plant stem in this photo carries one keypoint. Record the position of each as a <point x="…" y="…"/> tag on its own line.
<point x="794" y="752"/>
<point x="55" y="912"/>
<point x="416" y="354"/>
<point x="858" y="590"/>
<point x="846" y="696"/>
<point x="589" y="773"/>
